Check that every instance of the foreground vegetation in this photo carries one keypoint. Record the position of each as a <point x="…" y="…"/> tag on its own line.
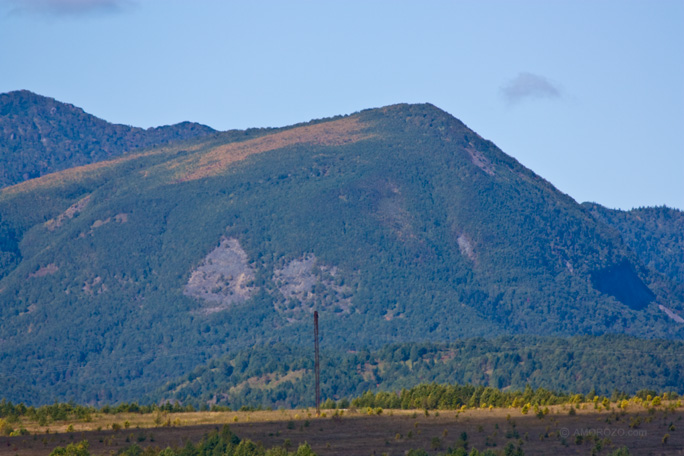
<point x="598" y="427"/>
<point x="224" y="443"/>
<point x="425" y="396"/>
<point x="280" y="376"/>
<point x="508" y="423"/>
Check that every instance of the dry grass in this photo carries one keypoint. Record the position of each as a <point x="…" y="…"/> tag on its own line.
<point x="268" y="381"/>
<point x="72" y="174"/>
<point x="205" y="164"/>
<point x="79" y="173"/>
<point x="217" y="160"/>
<point x="392" y="432"/>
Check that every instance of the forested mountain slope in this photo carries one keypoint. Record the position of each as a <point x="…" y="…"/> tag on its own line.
<point x="399" y="224"/>
<point x="39" y="135"/>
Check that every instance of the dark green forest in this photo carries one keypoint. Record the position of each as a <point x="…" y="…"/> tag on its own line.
<point x="415" y="229"/>
<point x="281" y="376"/>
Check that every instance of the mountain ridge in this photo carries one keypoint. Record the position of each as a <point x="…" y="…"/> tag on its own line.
<point x="40" y="135"/>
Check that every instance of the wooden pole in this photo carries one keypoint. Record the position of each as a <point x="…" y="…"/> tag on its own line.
<point x="317" y="366"/>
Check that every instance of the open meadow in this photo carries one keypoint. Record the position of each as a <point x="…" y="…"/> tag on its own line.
<point x="586" y="430"/>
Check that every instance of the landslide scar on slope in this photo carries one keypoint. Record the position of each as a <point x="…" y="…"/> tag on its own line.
<point x="333" y="133"/>
<point x="223" y="279"/>
<point x="465" y="246"/>
<point x="70" y="213"/>
<point x="305" y="284"/>
<point x="671" y="313"/>
<point x="44" y="271"/>
<point x="478" y="159"/>
<point x="118" y="218"/>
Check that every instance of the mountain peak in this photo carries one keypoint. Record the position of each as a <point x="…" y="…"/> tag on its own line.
<point x="20" y="102"/>
<point x="412" y="109"/>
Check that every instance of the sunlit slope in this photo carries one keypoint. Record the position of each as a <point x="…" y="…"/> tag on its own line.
<point x="400" y="224"/>
<point x="40" y="135"/>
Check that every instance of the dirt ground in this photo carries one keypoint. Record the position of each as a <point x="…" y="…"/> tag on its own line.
<point x="391" y="433"/>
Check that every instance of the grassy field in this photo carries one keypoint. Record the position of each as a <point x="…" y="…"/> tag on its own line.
<point x="393" y="432"/>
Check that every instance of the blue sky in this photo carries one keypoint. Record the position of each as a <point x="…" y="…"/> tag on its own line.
<point x="588" y="94"/>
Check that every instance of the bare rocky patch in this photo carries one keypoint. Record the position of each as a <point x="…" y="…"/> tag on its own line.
<point x="29" y="310"/>
<point x="94" y="286"/>
<point x="223" y="279"/>
<point x="44" y="271"/>
<point x="670" y="313"/>
<point x="268" y="381"/>
<point x="479" y="160"/>
<point x="70" y="213"/>
<point x="118" y="218"/>
<point x="121" y="218"/>
<point x="305" y="285"/>
<point x="465" y="246"/>
<point x="393" y="313"/>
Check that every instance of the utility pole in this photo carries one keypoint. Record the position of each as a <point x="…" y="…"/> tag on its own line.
<point x="317" y="366"/>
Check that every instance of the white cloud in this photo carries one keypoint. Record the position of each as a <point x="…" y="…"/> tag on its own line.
<point x="67" y="7"/>
<point x="529" y="86"/>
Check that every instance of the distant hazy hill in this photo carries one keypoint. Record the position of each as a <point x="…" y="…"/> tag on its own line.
<point x="398" y="224"/>
<point x="40" y="135"/>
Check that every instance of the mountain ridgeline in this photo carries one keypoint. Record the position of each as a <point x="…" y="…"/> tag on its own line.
<point x="399" y="224"/>
<point x="40" y="135"/>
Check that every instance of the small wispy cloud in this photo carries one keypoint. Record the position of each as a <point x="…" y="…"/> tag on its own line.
<point x="67" y="7"/>
<point x="529" y="86"/>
